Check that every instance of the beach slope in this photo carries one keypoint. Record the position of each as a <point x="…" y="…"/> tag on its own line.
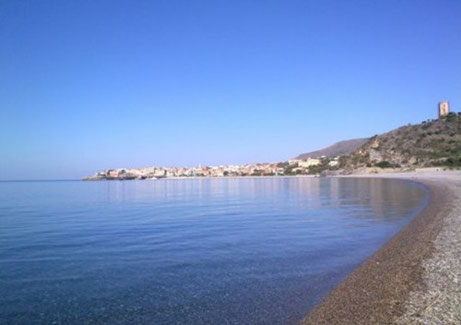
<point x="414" y="277"/>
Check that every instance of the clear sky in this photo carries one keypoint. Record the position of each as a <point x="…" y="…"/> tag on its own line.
<point x="92" y="85"/>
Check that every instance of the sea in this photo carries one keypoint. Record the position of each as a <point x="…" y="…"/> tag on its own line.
<point x="189" y="251"/>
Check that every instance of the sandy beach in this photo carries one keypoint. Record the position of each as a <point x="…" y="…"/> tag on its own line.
<point x="415" y="277"/>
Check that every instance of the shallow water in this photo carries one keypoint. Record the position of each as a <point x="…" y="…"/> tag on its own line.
<point x="189" y="251"/>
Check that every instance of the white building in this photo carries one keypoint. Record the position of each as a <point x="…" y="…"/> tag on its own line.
<point x="309" y="162"/>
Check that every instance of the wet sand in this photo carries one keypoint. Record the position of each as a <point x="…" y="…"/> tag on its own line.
<point x="393" y="285"/>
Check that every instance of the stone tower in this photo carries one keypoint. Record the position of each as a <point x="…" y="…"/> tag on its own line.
<point x="444" y="108"/>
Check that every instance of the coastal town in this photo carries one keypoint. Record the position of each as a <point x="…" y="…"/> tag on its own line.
<point x="432" y="143"/>
<point x="308" y="166"/>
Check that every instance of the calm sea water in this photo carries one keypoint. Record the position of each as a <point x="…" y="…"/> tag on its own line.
<point x="191" y="251"/>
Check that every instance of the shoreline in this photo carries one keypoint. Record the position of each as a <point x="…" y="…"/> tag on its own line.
<point x="202" y="177"/>
<point x="378" y="291"/>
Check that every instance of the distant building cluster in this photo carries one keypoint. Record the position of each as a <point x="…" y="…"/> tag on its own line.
<point x="259" y="169"/>
<point x="291" y="167"/>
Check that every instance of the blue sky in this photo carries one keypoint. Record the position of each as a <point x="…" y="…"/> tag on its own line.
<point x="91" y="85"/>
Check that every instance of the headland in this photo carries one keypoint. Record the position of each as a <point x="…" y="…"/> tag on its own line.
<point x="432" y="143"/>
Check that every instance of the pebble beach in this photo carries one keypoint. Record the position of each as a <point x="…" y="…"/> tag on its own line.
<point x="415" y="277"/>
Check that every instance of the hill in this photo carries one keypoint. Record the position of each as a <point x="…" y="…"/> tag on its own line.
<point x="430" y="143"/>
<point x="338" y="149"/>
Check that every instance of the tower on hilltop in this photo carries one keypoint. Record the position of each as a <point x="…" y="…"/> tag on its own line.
<point x="444" y="108"/>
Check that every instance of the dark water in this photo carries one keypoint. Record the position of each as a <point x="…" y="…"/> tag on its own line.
<point x="206" y="251"/>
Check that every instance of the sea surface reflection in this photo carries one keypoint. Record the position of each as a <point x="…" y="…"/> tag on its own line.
<point x="189" y="251"/>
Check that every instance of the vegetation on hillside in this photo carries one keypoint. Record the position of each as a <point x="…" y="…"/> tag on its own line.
<point x="430" y="143"/>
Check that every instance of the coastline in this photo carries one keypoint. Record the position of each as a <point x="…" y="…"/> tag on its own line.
<point x="383" y="289"/>
<point x="203" y="177"/>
